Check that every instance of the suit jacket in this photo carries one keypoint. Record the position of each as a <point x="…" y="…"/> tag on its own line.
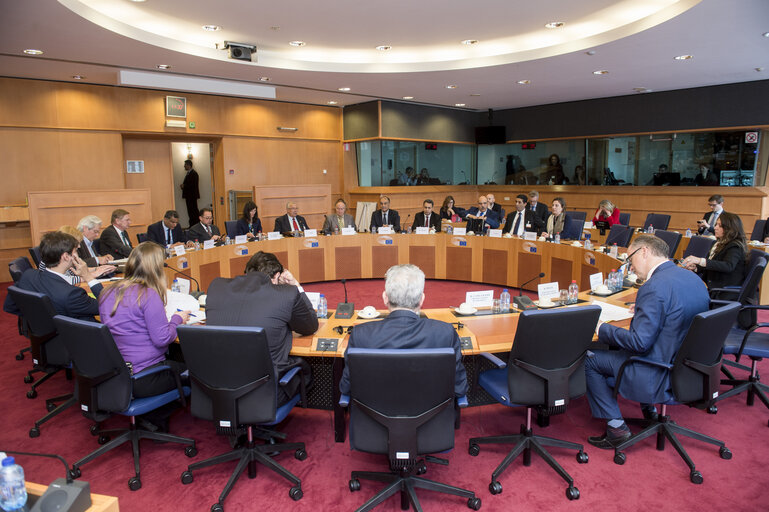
<point x="330" y="223"/>
<point x="157" y="233"/>
<point x="707" y="231"/>
<point x="726" y="268"/>
<point x="199" y="233"/>
<point x="541" y="210"/>
<point x="283" y="225"/>
<point x="497" y="208"/>
<point x="111" y="243"/>
<point x="68" y="300"/>
<point x="419" y="221"/>
<point x="405" y="329"/>
<point x="252" y="300"/>
<point x="190" y="189"/>
<point x="241" y="228"/>
<point x="392" y="218"/>
<point x="492" y="219"/>
<point x="85" y="255"/>
<point x="664" y="309"/>
<point x="531" y="221"/>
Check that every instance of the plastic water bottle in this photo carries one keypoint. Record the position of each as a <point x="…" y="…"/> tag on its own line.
<point x="688" y="233"/>
<point x="573" y="292"/>
<point x="13" y="493"/>
<point x="175" y="286"/>
<point x="650" y="230"/>
<point x="557" y="238"/>
<point x="449" y="229"/>
<point x="322" y="306"/>
<point x="227" y="240"/>
<point x="613" y="251"/>
<point x="197" y="245"/>
<point x="504" y="301"/>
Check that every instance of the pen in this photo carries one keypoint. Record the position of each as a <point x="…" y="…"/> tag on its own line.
<point x="194" y="316"/>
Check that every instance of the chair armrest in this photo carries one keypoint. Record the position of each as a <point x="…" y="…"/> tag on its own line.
<point x="494" y="360"/>
<point x="344" y="400"/>
<point x="731" y="289"/>
<point x="151" y="371"/>
<point x="289" y="375"/>
<point x="462" y="401"/>
<point x="637" y="359"/>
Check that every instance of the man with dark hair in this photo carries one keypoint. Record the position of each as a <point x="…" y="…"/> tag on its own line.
<point x="266" y="296"/>
<point x="191" y="190"/>
<point x="707" y="225"/>
<point x="205" y="229"/>
<point x="523" y="218"/>
<point x="427" y="217"/>
<point x="385" y="216"/>
<point x="167" y="231"/>
<point x="59" y="253"/>
<point x="114" y="238"/>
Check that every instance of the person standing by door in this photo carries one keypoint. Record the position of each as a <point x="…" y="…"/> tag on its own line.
<point x="191" y="191"/>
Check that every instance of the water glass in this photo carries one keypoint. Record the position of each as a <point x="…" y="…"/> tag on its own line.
<point x="496" y="306"/>
<point x="563" y="296"/>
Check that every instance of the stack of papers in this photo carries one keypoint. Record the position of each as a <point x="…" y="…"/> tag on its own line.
<point x="612" y="313"/>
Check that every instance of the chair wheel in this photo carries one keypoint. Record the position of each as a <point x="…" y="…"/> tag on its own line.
<point x="300" y="454"/>
<point x="31" y="394"/>
<point x="495" y="488"/>
<point x="217" y="507"/>
<point x="354" y="485"/>
<point x="190" y="451"/>
<point x="696" y="477"/>
<point x="187" y="477"/>
<point x="50" y="407"/>
<point x="34" y="432"/>
<point x="572" y="493"/>
<point x="135" y="483"/>
<point x="474" y="450"/>
<point x="75" y="472"/>
<point x="474" y="503"/>
<point x="94" y="430"/>
<point x="582" y="457"/>
<point x="725" y="453"/>
<point x="103" y="439"/>
<point x="712" y="409"/>
<point x="19" y="357"/>
<point x="619" y="458"/>
<point x="29" y="379"/>
<point x="421" y="468"/>
<point x="296" y="493"/>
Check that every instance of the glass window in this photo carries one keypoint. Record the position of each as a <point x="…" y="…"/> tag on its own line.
<point x="549" y="162"/>
<point x="389" y="162"/>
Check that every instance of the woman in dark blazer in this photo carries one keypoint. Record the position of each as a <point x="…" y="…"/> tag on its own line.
<point x="725" y="266"/>
<point x="452" y="212"/>
<point x="249" y="224"/>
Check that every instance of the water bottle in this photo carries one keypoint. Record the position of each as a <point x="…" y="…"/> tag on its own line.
<point x="613" y="251"/>
<point x="175" y="287"/>
<point x="688" y="233"/>
<point x="322" y="306"/>
<point x="449" y="229"/>
<point x="573" y="292"/>
<point x="557" y="238"/>
<point x="227" y="240"/>
<point x="13" y="493"/>
<point x="504" y="301"/>
<point x="650" y="229"/>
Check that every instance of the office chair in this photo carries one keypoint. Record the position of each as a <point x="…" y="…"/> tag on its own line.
<point x="671" y="238"/>
<point x="230" y="227"/>
<point x="624" y="219"/>
<point x="545" y="370"/>
<point x="234" y="385"/>
<point x="619" y="234"/>
<point x="105" y="387"/>
<point x="658" y="220"/>
<point x="49" y="354"/>
<point x="699" y="246"/>
<point x="141" y="237"/>
<point x="573" y="225"/>
<point x="16" y="268"/>
<point x="388" y="417"/>
<point x="35" y="253"/>
<point x="694" y="378"/>
<point x="758" y="230"/>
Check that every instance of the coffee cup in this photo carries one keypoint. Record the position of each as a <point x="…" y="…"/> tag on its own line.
<point x="466" y="309"/>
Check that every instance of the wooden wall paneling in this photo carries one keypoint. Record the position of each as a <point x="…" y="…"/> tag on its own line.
<point x="560" y="271"/>
<point x="7" y="256"/>
<point x="312" y="201"/>
<point x="209" y="272"/>
<point x="311" y="265"/>
<point x="424" y="258"/>
<point x="158" y="172"/>
<point x="348" y="262"/>
<point x="529" y="264"/>
<point x="461" y="263"/>
<point x="495" y="266"/>
<point x="382" y="258"/>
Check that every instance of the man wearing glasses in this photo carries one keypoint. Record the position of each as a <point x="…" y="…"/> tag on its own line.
<point x="707" y="225"/>
<point x="205" y="229"/>
<point x="664" y="309"/>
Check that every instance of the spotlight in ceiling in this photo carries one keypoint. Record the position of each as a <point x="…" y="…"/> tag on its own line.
<point x="211" y="28"/>
<point x="641" y="89"/>
<point x="297" y="43"/>
<point x="343" y="89"/>
<point x="264" y="79"/>
<point x="451" y="86"/>
<point x="683" y="57"/>
<point x="331" y="102"/>
<point x="32" y="51"/>
<point x="470" y="42"/>
<point x="163" y="66"/>
<point x="523" y="82"/>
<point x="601" y="72"/>
<point x="384" y="48"/>
<point x="555" y="24"/>
<point x="408" y="97"/>
<point x="460" y="105"/>
<point x="79" y="77"/>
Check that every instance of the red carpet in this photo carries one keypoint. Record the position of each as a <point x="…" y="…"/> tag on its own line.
<point x="649" y="480"/>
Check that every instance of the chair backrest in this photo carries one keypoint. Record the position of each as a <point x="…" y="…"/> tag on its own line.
<point x="658" y="220"/>
<point x="230" y="227"/>
<point x="574" y="214"/>
<point x="35" y="253"/>
<point x="38" y="312"/>
<point x="17" y="267"/>
<point x="619" y="234"/>
<point x="546" y="364"/>
<point x="231" y="374"/>
<point x="758" y="230"/>
<point x="401" y="401"/>
<point x="696" y="367"/>
<point x="104" y="381"/>
<point x="671" y="238"/>
<point x="624" y="219"/>
<point x="573" y="225"/>
<point x="141" y="237"/>
<point x="752" y="279"/>
<point x="699" y="246"/>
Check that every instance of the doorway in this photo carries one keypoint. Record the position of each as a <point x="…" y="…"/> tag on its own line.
<point x="201" y="155"/>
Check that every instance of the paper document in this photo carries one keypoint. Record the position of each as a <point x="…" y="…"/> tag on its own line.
<point x="612" y="313"/>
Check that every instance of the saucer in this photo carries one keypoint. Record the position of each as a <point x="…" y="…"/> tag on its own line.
<point x="467" y="313"/>
<point x="363" y="315"/>
<point x="602" y="294"/>
<point x="552" y="305"/>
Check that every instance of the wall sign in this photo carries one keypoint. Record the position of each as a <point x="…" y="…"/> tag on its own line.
<point x="176" y="106"/>
<point x="134" y="166"/>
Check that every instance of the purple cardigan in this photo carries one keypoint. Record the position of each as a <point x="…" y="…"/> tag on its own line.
<point x="141" y="331"/>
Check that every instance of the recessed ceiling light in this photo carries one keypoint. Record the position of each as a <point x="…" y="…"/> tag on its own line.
<point x="470" y="41"/>
<point x="765" y="34"/>
<point x="274" y="27"/>
<point x="684" y="57"/>
<point x="163" y="66"/>
<point x="641" y="89"/>
<point x="590" y="52"/>
<point x="523" y="82"/>
<point x="297" y="43"/>
<point x="78" y="77"/>
<point x="408" y="97"/>
<point x="474" y="94"/>
<point x="211" y="28"/>
<point x="384" y="48"/>
<point x="344" y="89"/>
<point x="601" y="72"/>
<point x="554" y="24"/>
<point x="332" y="102"/>
<point x="451" y="87"/>
<point x="264" y="78"/>
<point x="759" y="69"/>
<point x="32" y="51"/>
<point x="459" y="105"/>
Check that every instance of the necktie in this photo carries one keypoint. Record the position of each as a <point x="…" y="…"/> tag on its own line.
<point x="714" y="218"/>
<point x="296" y="226"/>
<point x="208" y="230"/>
<point x="517" y="223"/>
<point x="384" y="219"/>
<point x="427" y="221"/>
<point x="169" y="240"/>
<point x="127" y="242"/>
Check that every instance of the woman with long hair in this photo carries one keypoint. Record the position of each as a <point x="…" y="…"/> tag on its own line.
<point x="606" y="212"/>
<point x="452" y="212"/>
<point x="725" y="265"/>
<point x="249" y="224"/>
<point x="557" y="219"/>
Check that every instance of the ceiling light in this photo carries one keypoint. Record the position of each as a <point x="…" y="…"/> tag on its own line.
<point x="475" y="94"/>
<point x="211" y="28"/>
<point x="470" y="41"/>
<point x="641" y="89"/>
<point x="384" y="48"/>
<point x="601" y="72"/>
<point x="274" y="27"/>
<point x="554" y="24"/>
<point x="459" y="104"/>
<point x="297" y="43"/>
<point x="451" y="87"/>
<point x="759" y="69"/>
<point x="32" y="51"/>
<point x="343" y="89"/>
<point x="590" y="52"/>
<point x="163" y="66"/>
<point x="684" y="57"/>
<point x="408" y="97"/>
<point x="264" y="78"/>
<point x="765" y="34"/>
<point x="523" y="82"/>
<point x="78" y="77"/>
<point x="332" y="102"/>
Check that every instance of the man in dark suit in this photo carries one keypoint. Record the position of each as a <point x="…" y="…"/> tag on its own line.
<point x="664" y="309"/>
<point x="495" y="207"/>
<point x="266" y="296"/>
<point x="205" y="229"/>
<point x="478" y="217"/>
<point x="707" y="226"/>
<point x="59" y="253"/>
<point x="539" y="208"/>
<point x="385" y="216"/>
<point x="290" y="221"/>
<point x="427" y="218"/>
<point x="167" y="231"/>
<point x="191" y="190"/>
<point x="114" y="239"/>
<point x="523" y="218"/>
<point x="90" y="226"/>
<point x="403" y="327"/>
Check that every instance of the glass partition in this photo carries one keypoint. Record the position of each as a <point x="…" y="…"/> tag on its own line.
<point x="389" y="163"/>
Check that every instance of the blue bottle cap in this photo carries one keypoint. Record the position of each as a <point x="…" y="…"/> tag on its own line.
<point x="9" y="461"/>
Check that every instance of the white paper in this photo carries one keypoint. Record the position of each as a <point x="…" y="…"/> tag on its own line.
<point x="548" y="291"/>
<point x="421" y="230"/>
<point x="176" y="302"/>
<point x="596" y="280"/>
<point x="530" y="235"/>
<point x="184" y="285"/>
<point x="209" y="244"/>
<point x="310" y="232"/>
<point x="588" y="225"/>
<point x="348" y="231"/>
<point x="241" y="239"/>
<point x="495" y="233"/>
<point x="612" y="313"/>
<point x="460" y="231"/>
<point x="314" y="298"/>
<point x="385" y="230"/>
<point x="179" y="250"/>
<point x="482" y="299"/>
<point x="273" y="235"/>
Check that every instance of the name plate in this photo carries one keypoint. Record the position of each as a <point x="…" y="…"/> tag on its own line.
<point x="314" y="299"/>
<point x="179" y="250"/>
<point x="241" y="239"/>
<point x="184" y="285"/>
<point x="530" y="235"/>
<point x="310" y="233"/>
<point x="495" y="233"/>
<point x="348" y="231"/>
<point x="421" y="230"/>
<point x="209" y="244"/>
<point x="460" y="231"/>
<point x="385" y="230"/>
<point x="274" y="235"/>
<point x="596" y="280"/>
<point x="548" y="291"/>
<point x="481" y="299"/>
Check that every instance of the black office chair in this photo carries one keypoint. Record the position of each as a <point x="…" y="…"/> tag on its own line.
<point x="699" y="246"/>
<point x="35" y="253"/>
<point x="230" y="227"/>
<point x="49" y="354"/>
<point x="105" y="387"/>
<point x="16" y="268"/>
<point x="387" y="416"/>
<point x="573" y="226"/>
<point x="624" y="219"/>
<point x="658" y="220"/>
<point x="234" y="385"/>
<point x="141" y="237"/>
<point x="758" y="230"/>
<point x="694" y="378"/>
<point x="545" y="370"/>
<point x="747" y="293"/>
<point x="671" y="238"/>
<point x="619" y="234"/>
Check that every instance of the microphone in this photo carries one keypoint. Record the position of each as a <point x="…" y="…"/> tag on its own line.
<point x="523" y="302"/>
<point x="538" y="276"/>
<point x="344" y="309"/>
<point x="405" y="226"/>
<point x="183" y="274"/>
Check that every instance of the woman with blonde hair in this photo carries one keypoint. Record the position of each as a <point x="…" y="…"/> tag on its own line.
<point x="606" y="212"/>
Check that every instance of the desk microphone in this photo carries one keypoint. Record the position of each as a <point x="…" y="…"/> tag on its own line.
<point x="187" y="276"/>
<point x="344" y="309"/>
<point x="404" y="226"/>
<point x="523" y="302"/>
